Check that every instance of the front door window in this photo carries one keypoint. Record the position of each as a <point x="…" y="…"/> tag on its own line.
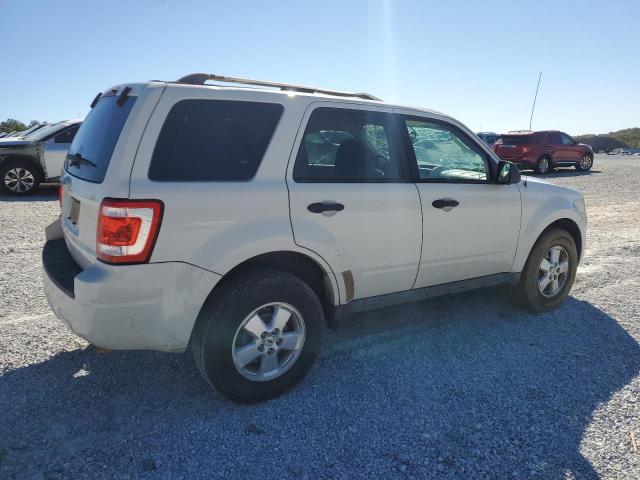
<point x="444" y="154"/>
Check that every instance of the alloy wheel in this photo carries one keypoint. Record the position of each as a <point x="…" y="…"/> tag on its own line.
<point x="19" y="180"/>
<point x="268" y="341"/>
<point x="543" y="165"/>
<point x="585" y="162"/>
<point x="553" y="271"/>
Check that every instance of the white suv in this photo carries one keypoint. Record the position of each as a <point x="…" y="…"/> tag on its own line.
<point x="238" y="220"/>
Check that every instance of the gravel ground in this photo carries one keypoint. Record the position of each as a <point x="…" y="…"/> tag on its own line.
<point x="466" y="386"/>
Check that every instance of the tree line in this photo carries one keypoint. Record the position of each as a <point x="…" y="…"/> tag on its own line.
<point x="13" y="125"/>
<point x="627" y="138"/>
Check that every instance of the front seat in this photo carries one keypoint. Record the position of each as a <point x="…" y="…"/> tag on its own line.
<point x="352" y="160"/>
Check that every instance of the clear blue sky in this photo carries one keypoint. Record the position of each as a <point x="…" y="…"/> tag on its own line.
<point x="478" y="61"/>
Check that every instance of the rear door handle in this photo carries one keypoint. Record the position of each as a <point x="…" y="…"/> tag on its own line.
<point x="321" y="207"/>
<point x="445" y="202"/>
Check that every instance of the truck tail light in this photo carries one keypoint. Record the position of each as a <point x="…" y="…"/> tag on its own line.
<point x="526" y="149"/>
<point x="127" y="230"/>
<point x="60" y="196"/>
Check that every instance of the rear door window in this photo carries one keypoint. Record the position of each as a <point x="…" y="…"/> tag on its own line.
<point x="90" y="153"/>
<point x="213" y="140"/>
<point x="554" y="138"/>
<point x="345" y="145"/>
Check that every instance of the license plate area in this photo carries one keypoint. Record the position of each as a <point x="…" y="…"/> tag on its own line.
<point x="74" y="211"/>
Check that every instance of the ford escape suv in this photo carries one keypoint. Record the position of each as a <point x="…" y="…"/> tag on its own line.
<point x="544" y="151"/>
<point x="236" y="221"/>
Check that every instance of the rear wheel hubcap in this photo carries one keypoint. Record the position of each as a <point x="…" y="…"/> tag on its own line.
<point x="544" y="165"/>
<point x="268" y="341"/>
<point x="19" y="180"/>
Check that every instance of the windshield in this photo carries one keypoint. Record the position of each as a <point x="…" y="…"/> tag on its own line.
<point x="29" y="131"/>
<point x="93" y="145"/>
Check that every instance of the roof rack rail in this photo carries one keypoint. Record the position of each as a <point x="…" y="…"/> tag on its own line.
<point x="201" y="78"/>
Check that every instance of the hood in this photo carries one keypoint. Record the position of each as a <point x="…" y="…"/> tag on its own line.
<point x="539" y="185"/>
<point x="12" y="143"/>
<point x="585" y="145"/>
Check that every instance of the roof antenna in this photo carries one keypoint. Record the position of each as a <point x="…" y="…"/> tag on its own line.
<point x="534" y="100"/>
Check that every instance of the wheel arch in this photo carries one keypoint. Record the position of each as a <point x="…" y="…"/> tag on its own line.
<point x="296" y="263"/>
<point x="569" y="226"/>
<point x="544" y="219"/>
<point x="23" y="158"/>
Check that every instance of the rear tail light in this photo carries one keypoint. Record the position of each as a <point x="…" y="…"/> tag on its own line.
<point x="526" y="149"/>
<point x="127" y="230"/>
<point x="60" y="196"/>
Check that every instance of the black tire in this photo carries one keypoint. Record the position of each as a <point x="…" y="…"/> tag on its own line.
<point x="585" y="163"/>
<point x="221" y="316"/>
<point x="28" y="182"/>
<point x="528" y="291"/>
<point x="543" y="166"/>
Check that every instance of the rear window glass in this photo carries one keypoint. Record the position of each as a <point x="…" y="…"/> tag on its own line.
<point x="515" y="139"/>
<point x="90" y="152"/>
<point x="213" y="140"/>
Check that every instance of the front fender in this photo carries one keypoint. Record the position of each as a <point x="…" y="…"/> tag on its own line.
<point x="537" y="216"/>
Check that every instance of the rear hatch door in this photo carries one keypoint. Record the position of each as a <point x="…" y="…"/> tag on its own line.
<point x="510" y="147"/>
<point x="99" y="162"/>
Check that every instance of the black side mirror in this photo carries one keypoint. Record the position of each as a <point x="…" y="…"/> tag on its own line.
<point x="508" y="173"/>
<point x="574" y="142"/>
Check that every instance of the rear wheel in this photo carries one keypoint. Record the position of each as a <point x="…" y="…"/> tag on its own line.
<point x="543" y="166"/>
<point x="585" y="163"/>
<point x="18" y="177"/>
<point x="258" y="336"/>
<point x="549" y="272"/>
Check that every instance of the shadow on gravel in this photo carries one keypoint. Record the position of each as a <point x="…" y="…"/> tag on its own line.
<point x="461" y="387"/>
<point x="564" y="172"/>
<point x="44" y="193"/>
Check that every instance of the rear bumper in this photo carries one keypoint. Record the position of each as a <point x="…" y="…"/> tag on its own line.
<point x="146" y="306"/>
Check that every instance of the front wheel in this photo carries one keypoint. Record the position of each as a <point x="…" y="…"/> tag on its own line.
<point x="18" y="178"/>
<point x="258" y="336"/>
<point x="549" y="272"/>
<point x="585" y="163"/>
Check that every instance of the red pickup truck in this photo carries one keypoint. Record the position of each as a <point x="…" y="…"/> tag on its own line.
<point x="543" y="151"/>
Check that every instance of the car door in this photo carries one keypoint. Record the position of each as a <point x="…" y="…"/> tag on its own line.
<point x="55" y="151"/>
<point x="470" y="223"/>
<point x="352" y="200"/>
<point x="570" y="151"/>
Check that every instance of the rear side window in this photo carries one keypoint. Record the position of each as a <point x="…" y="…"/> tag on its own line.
<point x="90" y="153"/>
<point x="67" y="135"/>
<point x="213" y="140"/>
<point x="515" y="139"/>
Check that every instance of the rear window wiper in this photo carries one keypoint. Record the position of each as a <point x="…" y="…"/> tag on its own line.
<point x="76" y="159"/>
